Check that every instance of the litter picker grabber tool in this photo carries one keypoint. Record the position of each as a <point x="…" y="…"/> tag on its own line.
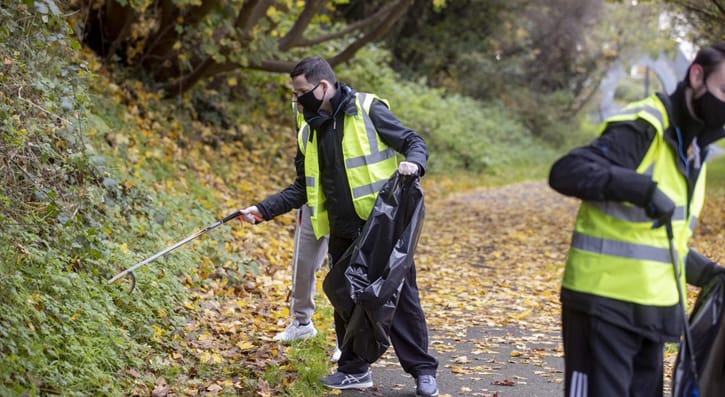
<point x="694" y="390"/>
<point x="157" y="255"/>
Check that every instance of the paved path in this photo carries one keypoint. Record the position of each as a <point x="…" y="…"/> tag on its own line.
<point x="493" y="370"/>
<point x="489" y="268"/>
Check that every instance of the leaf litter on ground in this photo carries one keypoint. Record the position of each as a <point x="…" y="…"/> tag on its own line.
<point x="488" y="258"/>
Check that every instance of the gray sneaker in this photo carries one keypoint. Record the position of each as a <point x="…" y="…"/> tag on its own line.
<point x="341" y="380"/>
<point x="295" y="331"/>
<point x="426" y="386"/>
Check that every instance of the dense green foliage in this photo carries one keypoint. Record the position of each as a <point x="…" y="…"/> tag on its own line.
<point x="70" y="221"/>
<point x="462" y="133"/>
<point x="55" y="314"/>
<point x="543" y="60"/>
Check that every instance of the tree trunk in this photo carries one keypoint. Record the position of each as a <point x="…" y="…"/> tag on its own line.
<point x="160" y="57"/>
<point x="107" y="28"/>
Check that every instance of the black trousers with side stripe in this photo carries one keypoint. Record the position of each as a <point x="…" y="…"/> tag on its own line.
<point x="604" y="360"/>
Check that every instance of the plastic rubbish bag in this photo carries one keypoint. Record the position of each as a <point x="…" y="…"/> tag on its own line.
<point x="708" y="337"/>
<point x="364" y="285"/>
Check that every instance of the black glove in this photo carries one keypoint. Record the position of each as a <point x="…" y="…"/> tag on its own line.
<point x="659" y="207"/>
<point x="699" y="270"/>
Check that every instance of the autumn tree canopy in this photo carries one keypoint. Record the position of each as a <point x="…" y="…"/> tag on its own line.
<point x="705" y="19"/>
<point x="177" y="43"/>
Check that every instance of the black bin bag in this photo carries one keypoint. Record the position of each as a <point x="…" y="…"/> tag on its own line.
<point x="707" y="329"/>
<point x="364" y="284"/>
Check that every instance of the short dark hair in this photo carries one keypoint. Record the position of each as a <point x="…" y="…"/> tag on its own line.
<point x="709" y="58"/>
<point x="314" y="69"/>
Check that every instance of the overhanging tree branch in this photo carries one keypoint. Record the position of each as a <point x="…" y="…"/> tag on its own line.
<point x="297" y="31"/>
<point x="250" y="14"/>
<point x="401" y="6"/>
<point x="115" y="29"/>
<point x="208" y="67"/>
<point x="700" y="11"/>
<point x="162" y="47"/>
<point x="180" y="85"/>
<point x="719" y="6"/>
<point x="161" y="54"/>
<point x="361" y="25"/>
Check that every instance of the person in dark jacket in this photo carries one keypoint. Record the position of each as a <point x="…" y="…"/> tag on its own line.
<point x="348" y="147"/>
<point x="642" y="177"/>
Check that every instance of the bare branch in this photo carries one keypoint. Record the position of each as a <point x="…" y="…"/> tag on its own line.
<point x="377" y="25"/>
<point x="401" y="6"/>
<point x="585" y="96"/>
<point x="269" y="65"/>
<point x="162" y="47"/>
<point x="170" y="12"/>
<point x="208" y="67"/>
<point x="180" y="85"/>
<point x="359" y="25"/>
<point x="298" y="29"/>
<point x="275" y="66"/>
<point x="719" y="6"/>
<point x="249" y="15"/>
<point x="251" y="12"/>
<point x="698" y="10"/>
<point x="115" y="29"/>
<point x="122" y="35"/>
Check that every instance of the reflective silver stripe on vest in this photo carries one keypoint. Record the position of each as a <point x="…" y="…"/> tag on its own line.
<point x="620" y="248"/>
<point x="305" y="137"/>
<point x="368" y="189"/>
<point x="370" y="159"/>
<point x="651" y="110"/>
<point x="310" y="208"/>
<point x="369" y="126"/>
<point x="375" y="155"/>
<point x="310" y="181"/>
<point x="631" y="213"/>
<point x="693" y="223"/>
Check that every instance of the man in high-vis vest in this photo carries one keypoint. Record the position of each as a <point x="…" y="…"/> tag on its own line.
<point x="349" y="145"/>
<point x="643" y="174"/>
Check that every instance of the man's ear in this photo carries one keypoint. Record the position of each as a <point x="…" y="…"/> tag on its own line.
<point x="697" y="76"/>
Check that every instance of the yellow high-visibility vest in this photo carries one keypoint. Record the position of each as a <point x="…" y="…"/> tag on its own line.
<point x="615" y="252"/>
<point x="369" y="163"/>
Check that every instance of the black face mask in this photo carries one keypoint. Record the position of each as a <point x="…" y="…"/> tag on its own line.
<point x="710" y="110"/>
<point x="309" y="102"/>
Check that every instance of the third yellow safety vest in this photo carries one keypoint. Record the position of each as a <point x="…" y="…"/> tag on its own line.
<point x="615" y="252"/>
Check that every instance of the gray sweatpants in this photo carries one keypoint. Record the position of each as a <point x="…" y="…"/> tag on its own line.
<point x="309" y="254"/>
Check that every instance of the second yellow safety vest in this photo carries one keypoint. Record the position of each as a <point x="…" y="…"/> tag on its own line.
<point x="369" y="163"/>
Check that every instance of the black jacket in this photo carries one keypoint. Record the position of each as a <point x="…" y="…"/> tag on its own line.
<point x="344" y="222"/>
<point x="605" y="170"/>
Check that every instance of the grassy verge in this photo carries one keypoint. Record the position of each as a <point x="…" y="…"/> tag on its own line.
<point x="66" y="221"/>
